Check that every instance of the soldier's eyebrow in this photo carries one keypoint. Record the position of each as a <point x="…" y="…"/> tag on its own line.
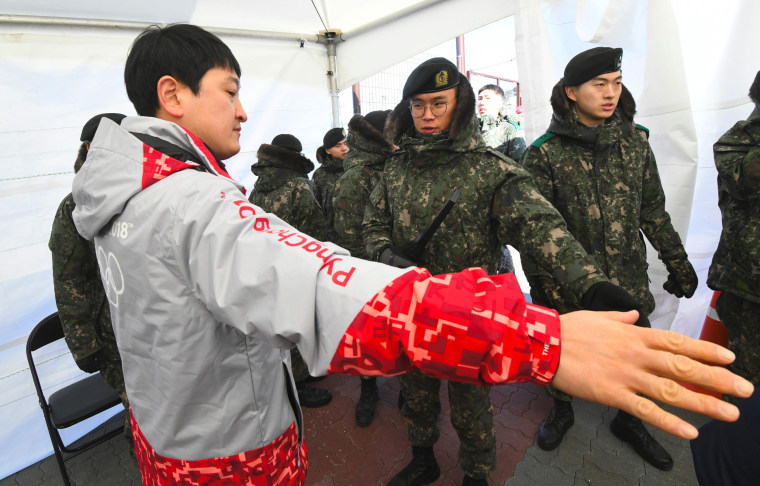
<point x="435" y="98"/>
<point x="600" y="78"/>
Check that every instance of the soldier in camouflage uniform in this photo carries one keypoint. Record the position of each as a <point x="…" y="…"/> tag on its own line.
<point x="363" y="166"/>
<point x="503" y="133"/>
<point x="330" y="156"/>
<point x="597" y="168"/>
<point x="500" y="131"/>
<point x="441" y="150"/>
<point x="282" y="187"/>
<point x="735" y="269"/>
<point x="79" y="294"/>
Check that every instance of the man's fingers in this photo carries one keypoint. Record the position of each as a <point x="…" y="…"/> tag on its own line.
<point x="649" y="412"/>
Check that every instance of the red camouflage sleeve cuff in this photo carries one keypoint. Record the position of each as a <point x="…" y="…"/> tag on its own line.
<point x="545" y="342"/>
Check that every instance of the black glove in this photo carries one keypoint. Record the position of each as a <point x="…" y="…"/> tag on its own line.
<point x="91" y="363"/>
<point x="606" y="296"/>
<point x="394" y="259"/>
<point x="682" y="279"/>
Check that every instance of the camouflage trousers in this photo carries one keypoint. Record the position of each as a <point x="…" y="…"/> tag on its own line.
<point x="741" y="316"/>
<point x="298" y="365"/>
<point x="110" y="369"/>
<point x="471" y="416"/>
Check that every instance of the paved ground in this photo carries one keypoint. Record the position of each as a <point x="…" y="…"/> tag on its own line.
<point x="342" y="454"/>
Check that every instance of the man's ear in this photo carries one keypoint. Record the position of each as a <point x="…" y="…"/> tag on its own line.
<point x="570" y="92"/>
<point x="169" y="98"/>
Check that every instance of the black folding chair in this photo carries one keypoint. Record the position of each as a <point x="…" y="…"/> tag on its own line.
<point x="72" y="404"/>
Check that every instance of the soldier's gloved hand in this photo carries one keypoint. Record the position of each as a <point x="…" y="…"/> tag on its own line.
<point x="606" y="296"/>
<point x="682" y="279"/>
<point x="91" y="363"/>
<point x="390" y="257"/>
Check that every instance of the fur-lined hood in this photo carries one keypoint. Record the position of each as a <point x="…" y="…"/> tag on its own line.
<point x="276" y="165"/>
<point x="368" y="147"/>
<point x="400" y="120"/>
<point x="565" y="120"/>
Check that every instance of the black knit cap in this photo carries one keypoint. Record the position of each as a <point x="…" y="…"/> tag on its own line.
<point x="591" y="63"/>
<point x="287" y="141"/>
<point x="377" y="119"/>
<point x="333" y="136"/>
<point x="88" y="131"/>
<point x="436" y="74"/>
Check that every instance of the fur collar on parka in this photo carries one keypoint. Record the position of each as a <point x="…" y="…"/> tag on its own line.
<point x="368" y="147"/>
<point x="274" y="156"/>
<point x="400" y="119"/>
<point x="565" y="120"/>
<point x="276" y="166"/>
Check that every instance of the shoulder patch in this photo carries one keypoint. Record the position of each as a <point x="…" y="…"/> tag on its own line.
<point x="642" y="127"/>
<point x="543" y="138"/>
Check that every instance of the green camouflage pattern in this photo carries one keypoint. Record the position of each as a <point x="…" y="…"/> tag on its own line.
<point x="81" y="300"/>
<point x="604" y="181"/>
<point x="499" y="204"/>
<point x="735" y="266"/>
<point x="363" y="167"/>
<point x="282" y="187"/>
<point x="323" y="181"/>
<point x="740" y="318"/>
<point x="471" y="416"/>
<point x="503" y="135"/>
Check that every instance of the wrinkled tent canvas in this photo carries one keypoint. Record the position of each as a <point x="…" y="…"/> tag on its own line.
<point x="689" y="64"/>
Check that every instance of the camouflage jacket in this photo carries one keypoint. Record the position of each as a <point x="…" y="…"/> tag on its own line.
<point x="604" y="181"/>
<point x="499" y="203"/>
<point x="363" y="167"/>
<point x="79" y="294"/>
<point x="503" y="135"/>
<point x="324" y="179"/>
<point x="283" y="188"/>
<point x="736" y="264"/>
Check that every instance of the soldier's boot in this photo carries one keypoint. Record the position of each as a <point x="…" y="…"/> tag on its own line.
<point x="629" y="429"/>
<point x="556" y="425"/>
<point x="470" y="481"/>
<point x="422" y="470"/>
<point x="365" y="408"/>
<point x="311" y="397"/>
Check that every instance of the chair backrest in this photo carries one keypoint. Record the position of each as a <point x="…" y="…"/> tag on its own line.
<point x="47" y="331"/>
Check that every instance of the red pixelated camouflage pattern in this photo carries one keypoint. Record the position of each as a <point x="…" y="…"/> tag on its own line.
<point x="467" y="326"/>
<point x="276" y="463"/>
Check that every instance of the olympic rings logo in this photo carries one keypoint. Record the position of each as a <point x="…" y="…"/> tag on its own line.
<point x="110" y="273"/>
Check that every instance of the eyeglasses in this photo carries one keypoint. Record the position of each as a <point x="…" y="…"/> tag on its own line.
<point x="437" y="108"/>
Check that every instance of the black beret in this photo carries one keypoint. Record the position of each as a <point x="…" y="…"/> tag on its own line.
<point x="436" y="74"/>
<point x="88" y="131"/>
<point x="287" y="141"/>
<point x="333" y="136"/>
<point x="377" y="119"/>
<point x="591" y="63"/>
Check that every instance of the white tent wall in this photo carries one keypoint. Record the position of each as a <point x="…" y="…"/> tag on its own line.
<point x="686" y="64"/>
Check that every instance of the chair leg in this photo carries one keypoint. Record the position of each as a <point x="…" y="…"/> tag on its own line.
<point x="61" y="465"/>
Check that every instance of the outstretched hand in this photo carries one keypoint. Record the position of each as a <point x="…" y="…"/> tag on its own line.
<point x="606" y="360"/>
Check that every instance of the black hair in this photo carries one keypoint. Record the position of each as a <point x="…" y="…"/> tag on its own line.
<point x="492" y="87"/>
<point x="183" y="51"/>
<point x="754" y="90"/>
<point x="81" y="156"/>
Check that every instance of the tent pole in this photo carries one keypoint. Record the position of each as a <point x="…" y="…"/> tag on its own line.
<point x="331" y="78"/>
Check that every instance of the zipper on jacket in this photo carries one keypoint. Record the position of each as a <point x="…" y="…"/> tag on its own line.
<point x="292" y="398"/>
